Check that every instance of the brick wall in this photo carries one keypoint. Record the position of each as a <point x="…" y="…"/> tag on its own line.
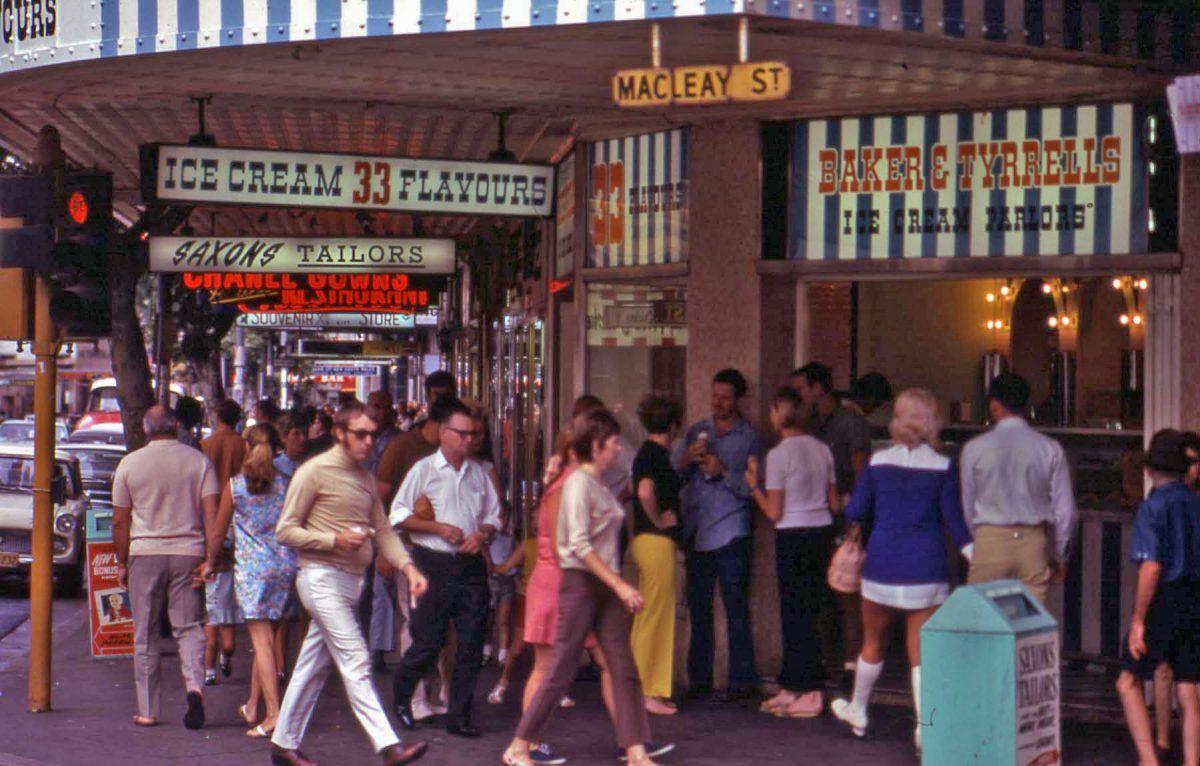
<point x="829" y="328"/>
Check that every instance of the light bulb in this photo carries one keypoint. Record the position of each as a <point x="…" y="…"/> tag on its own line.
<point x="1065" y="321"/>
<point x="1137" y="318"/>
<point x="1124" y="319"/>
<point x="990" y="297"/>
<point x="1116" y="283"/>
<point x="1052" y="321"/>
<point x="1046" y="288"/>
<point x="991" y="325"/>
<point x="1143" y="283"/>
<point x="1066" y="289"/>
<point x="1005" y="290"/>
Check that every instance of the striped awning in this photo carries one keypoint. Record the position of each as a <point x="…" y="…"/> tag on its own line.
<point x="38" y="33"/>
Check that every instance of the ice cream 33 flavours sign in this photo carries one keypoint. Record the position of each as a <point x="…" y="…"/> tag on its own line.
<point x="212" y="175"/>
<point x="1037" y="181"/>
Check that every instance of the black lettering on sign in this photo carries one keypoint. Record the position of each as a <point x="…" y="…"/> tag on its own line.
<point x="27" y="20"/>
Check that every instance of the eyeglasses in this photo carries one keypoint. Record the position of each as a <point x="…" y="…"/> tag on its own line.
<point x="361" y="433"/>
<point x="463" y="432"/>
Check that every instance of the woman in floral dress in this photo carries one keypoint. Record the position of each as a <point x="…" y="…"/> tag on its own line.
<point x="263" y="569"/>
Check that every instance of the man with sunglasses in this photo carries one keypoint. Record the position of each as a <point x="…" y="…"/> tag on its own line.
<point x="450" y="549"/>
<point x="333" y="516"/>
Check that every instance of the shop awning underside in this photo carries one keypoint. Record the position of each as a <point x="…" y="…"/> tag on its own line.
<point x="434" y="95"/>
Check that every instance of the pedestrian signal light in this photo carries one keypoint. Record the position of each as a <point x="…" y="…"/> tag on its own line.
<point x="77" y="208"/>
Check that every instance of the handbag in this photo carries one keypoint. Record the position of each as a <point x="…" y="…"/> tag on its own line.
<point x="845" y="569"/>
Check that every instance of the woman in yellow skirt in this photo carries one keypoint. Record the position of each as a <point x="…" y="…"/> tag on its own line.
<point x="655" y="519"/>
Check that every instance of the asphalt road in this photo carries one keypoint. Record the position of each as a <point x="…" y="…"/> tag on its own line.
<point x="14" y="604"/>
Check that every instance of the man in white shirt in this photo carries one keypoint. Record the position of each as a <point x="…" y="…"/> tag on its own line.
<point x="449" y="547"/>
<point x="1017" y="495"/>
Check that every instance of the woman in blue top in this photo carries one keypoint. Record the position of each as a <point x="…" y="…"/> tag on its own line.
<point x="906" y="497"/>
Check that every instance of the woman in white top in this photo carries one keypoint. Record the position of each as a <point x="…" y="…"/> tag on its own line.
<point x="800" y="498"/>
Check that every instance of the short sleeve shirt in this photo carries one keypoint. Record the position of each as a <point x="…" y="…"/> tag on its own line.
<point x="1167" y="530"/>
<point x="164" y="483"/>
<point x="802" y="466"/>
<point x="653" y="462"/>
<point x="846" y="432"/>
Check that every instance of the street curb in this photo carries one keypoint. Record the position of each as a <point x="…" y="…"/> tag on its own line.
<point x="16" y="760"/>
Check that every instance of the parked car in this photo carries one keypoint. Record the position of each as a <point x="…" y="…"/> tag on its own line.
<point x="22" y="431"/>
<point x="104" y="433"/>
<point x="16" y="514"/>
<point x="97" y="465"/>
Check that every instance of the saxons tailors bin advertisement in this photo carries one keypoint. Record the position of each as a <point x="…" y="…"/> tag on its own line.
<point x="1038" y="181"/>
<point x="217" y="176"/>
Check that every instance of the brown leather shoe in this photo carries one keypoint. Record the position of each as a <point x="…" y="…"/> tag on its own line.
<point x="397" y="755"/>
<point x="283" y="757"/>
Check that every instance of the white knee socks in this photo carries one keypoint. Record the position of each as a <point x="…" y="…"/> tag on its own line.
<point x="916" y="692"/>
<point x="865" y="676"/>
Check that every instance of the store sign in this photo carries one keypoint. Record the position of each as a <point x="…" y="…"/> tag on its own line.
<point x="638" y="200"/>
<point x="291" y="255"/>
<point x="1038" y="181"/>
<point x="1183" y="96"/>
<point x="317" y="293"/>
<point x="1038" y="693"/>
<point x="636" y="315"/>
<point x="111" y="616"/>
<point x="698" y="85"/>
<point x="564" y="218"/>
<point x="216" y="176"/>
<point x="336" y="321"/>
<point x="344" y="369"/>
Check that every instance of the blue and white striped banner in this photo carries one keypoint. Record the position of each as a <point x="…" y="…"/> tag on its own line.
<point x="638" y="200"/>
<point x="1017" y="182"/>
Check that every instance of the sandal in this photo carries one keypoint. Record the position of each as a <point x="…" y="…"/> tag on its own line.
<point x="656" y="706"/>
<point x="144" y="720"/>
<point x="258" y="732"/>
<point x="496" y="696"/>
<point x="508" y="759"/>
<point x="245" y="715"/>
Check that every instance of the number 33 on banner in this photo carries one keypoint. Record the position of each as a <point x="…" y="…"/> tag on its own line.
<point x="381" y="172"/>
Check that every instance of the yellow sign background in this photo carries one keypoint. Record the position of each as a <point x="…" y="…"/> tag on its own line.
<point x="702" y="84"/>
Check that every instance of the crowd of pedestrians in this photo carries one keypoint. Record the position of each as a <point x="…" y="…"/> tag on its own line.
<point x="384" y="533"/>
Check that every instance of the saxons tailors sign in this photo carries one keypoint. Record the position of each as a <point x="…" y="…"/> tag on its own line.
<point x="705" y="84"/>
<point x="211" y="175"/>
<point x="1038" y="181"/>
<point x="286" y="255"/>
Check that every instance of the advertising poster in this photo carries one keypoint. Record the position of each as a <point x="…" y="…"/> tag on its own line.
<point x="564" y="218"/>
<point x="636" y="315"/>
<point x="1038" y="686"/>
<point x="111" y="612"/>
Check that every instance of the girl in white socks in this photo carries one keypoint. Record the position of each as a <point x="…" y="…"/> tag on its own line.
<point x="906" y="497"/>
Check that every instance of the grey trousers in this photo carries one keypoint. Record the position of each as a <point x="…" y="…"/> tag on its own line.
<point x="156" y="582"/>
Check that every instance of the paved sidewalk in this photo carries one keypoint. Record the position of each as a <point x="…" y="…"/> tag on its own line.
<point x="94" y="701"/>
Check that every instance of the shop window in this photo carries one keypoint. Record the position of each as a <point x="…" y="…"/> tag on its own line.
<point x="637" y="345"/>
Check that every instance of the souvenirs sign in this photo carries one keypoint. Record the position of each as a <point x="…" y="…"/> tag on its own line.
<point x="1038" y="182"/>
<point x="708" y="84"/>
<point x="216" y="176"/>
<point x="318" y="293"/>
<point x="336" y="321"/>
<point x="296" y="256"/>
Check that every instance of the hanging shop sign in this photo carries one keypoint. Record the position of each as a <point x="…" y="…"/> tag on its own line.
<point x="564" y="218"/>
<point x="636" y="315"/>
<point x="638" y="200"/>
<point x="700" y="85"/>
<point x="336" y="321"/>
<point x="1019" y="182"/>
<point x="318" y="293"/>
<point x="344" y="369"/>
<point x="216" y="176"/>
<point x="297" y="256"/>
<point x="1183" y="96"/>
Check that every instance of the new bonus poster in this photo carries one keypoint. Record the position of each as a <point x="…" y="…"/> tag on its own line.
<point x="111" y="612"/>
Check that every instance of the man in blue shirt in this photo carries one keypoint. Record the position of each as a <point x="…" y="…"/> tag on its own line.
<point x="1165" y="626"/>
<point x="712" y="459"/>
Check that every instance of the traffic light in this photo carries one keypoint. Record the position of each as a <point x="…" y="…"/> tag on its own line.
<point x="82" y="220"/>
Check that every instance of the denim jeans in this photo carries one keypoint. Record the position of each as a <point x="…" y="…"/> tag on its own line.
<point x="730" y="565"/>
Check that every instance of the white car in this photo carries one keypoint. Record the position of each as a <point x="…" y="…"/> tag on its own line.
<point x="16" y="514"/>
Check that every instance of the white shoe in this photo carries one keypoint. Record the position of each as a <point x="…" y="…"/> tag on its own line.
<point x="422" y="710"/>
<point x="438" y="709"/>
<point x="848" y="714"/>
<point x="917" y="737"/>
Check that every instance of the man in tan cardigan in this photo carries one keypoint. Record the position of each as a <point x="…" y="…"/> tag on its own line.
<point x="334" y="518"/>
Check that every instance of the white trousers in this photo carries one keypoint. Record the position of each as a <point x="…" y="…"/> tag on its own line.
<point x="334" y="638"/>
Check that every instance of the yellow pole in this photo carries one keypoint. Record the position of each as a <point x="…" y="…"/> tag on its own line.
<point x="40" y="577"/>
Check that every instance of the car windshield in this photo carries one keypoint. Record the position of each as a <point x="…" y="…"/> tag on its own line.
<point x="16" y="431"/>
<point x="104" y="400"/>
<point x="16" y="473"/>
<point x="95" y="465"/>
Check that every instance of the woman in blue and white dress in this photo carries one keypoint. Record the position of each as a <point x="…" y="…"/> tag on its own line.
<point x="908" y="498"/>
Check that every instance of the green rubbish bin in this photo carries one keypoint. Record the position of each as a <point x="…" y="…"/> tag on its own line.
<point x="990" y="680"/>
